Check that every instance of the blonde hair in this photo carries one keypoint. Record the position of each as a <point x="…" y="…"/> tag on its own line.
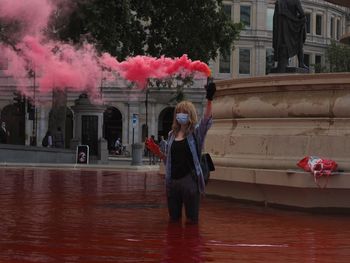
<point x="185" y="107"/>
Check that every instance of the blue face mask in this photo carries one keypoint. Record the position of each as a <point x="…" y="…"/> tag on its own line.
<point x="182" y="118"/>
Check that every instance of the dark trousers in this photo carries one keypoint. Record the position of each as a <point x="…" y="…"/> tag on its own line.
<point x="183" y="191"/>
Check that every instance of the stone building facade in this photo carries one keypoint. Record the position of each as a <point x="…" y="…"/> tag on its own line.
<point x="253" y="53"/>
<point x="127" y="111"/>
<point x="131" y="114"/>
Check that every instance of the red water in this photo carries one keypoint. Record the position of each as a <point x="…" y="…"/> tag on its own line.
<point x="104" y="216"/>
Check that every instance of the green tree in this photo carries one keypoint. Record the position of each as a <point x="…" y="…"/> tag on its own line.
<point x="198" y="28"/>
<point x="338" y="57"/>
<point x="10" y="33"/>
<point x="110" y="24"/>
<point x="124" y="28"/>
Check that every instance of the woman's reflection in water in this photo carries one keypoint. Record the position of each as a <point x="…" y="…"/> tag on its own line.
<point x="183" y="243"/>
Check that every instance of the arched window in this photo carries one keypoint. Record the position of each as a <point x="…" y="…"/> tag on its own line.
<point x="165" y="121"/>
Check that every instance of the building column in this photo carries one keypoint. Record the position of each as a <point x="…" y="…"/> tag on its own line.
<point x="134" y="132"/>
<point x="42" y="122"/>
<point x="154" y="123"/>
<point x="125" y="122"/>
<point x="260" y="59"/>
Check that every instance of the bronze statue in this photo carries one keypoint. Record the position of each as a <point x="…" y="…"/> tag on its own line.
<point x="289" y="33"/>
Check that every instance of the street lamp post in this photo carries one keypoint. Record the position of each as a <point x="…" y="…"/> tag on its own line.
<point x="146" y="105"/>
<point x="101" y="87"/>
<point x="34" y="127"/>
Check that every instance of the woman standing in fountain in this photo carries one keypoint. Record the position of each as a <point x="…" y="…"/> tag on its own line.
<point x="184" y="178"/>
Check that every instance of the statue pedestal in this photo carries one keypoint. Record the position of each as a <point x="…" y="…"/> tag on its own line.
<point x="263" y="126"/>
<point x="292" y="70"/>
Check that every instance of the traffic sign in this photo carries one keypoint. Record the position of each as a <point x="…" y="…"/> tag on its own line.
<point x="134" y="120"/>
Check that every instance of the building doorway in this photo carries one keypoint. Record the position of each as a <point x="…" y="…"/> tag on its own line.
<point x="89" y="134"/>
<point x="14" y="117"/>
<point x="165" y="121"/>
<point x="67" y="129"/>
<point x="113" y="126"/>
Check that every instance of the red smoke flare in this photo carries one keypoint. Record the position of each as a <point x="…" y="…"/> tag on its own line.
<point x="140" y="68"/>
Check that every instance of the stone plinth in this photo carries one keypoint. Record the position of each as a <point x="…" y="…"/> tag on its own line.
<point x="340" y="2"/>
<point x="291" y="70"/>
<point x="263" y="126"/>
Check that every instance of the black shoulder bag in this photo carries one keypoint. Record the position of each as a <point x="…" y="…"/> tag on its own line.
<point x="206" y="162"/>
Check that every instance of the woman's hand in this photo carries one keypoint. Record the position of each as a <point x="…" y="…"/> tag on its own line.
<point x="211" y="89"/>
<point x="154" y="148"/>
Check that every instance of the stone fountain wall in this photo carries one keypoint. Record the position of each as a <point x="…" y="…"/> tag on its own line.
<point x="263" y="126"/>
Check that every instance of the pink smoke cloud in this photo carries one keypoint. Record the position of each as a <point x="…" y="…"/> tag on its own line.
<point x="60" y="65"/>
<point x="141" y="68"/>
<point x="32" y="14"/>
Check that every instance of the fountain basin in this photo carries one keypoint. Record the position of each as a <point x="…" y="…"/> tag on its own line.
<point x="264" y="125"/>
